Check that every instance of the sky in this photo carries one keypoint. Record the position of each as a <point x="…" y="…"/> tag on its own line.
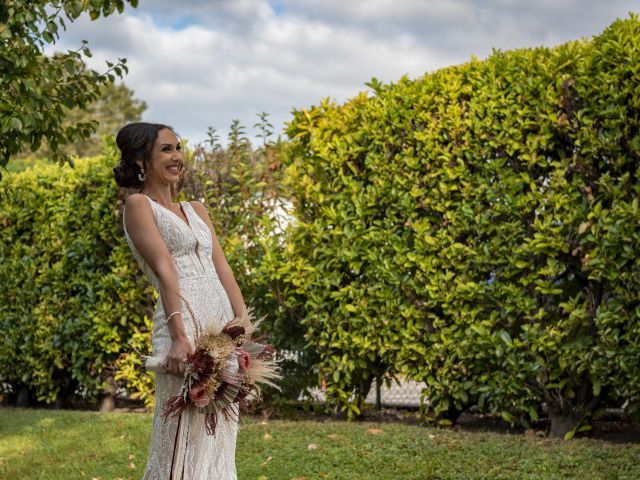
<point x="202" y="63"/>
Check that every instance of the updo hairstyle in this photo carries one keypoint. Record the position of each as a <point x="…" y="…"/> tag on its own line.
<point x="135" y="141"/>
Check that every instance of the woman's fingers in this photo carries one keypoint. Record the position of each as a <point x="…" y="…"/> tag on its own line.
<point x="174" y="366"/>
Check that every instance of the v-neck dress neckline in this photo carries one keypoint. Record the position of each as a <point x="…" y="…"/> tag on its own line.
<point x="186" y="222"/>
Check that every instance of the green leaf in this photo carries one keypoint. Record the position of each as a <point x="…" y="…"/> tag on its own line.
<point x="15" y="123"/>
<point x="597" y="387"/>
<point x="506" y="338"/>
<point x="507" y="416"/>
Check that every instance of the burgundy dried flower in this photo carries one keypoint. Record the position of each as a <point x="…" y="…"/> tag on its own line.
<point x="201" y="362"/>
<point x="234" y="332"/>
<point x="198" y="395"/>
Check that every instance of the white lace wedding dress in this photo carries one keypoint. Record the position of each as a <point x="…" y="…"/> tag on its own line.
<point x="180" y="449"/>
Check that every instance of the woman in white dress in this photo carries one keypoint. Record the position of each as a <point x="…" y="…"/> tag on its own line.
<point x="178" y="250"/>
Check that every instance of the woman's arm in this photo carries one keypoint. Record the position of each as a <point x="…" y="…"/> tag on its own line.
<point x="138" y="218"/>
<point x="222" y="266"/>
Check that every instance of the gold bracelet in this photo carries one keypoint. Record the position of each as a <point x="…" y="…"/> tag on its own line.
<point x="169" y="317"/>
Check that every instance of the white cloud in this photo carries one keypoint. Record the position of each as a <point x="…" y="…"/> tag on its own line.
<point x="201" y="63"/>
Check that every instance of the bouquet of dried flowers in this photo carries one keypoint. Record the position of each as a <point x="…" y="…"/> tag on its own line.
<point x="226" y="367"/>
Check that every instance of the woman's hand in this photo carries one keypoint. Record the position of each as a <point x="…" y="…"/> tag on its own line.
<point x="174" y="361"/>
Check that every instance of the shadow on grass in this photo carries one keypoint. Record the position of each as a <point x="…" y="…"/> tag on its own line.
<point x="72" y="444"/>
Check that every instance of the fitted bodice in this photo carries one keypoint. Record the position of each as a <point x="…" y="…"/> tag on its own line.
<point x="190" y="245"/>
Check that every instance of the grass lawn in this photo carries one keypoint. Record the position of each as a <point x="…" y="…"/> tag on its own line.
<point x="56" y="444"/>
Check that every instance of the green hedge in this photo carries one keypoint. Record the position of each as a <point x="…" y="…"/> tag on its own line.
<point x="75" y="311"/>
<point x="477" y="229"/>
<point x="72" y="305"/>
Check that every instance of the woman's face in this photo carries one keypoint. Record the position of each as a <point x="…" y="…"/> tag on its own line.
<point x="165" y="163"/>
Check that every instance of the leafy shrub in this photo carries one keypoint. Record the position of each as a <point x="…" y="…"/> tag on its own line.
<point x="477" y="229"/>
<point x="71" y="296"/>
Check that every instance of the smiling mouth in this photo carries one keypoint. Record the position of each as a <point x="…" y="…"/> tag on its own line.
<point x="175" y="169"/>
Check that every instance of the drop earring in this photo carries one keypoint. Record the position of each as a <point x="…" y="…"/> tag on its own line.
<point x="141" y="175"/>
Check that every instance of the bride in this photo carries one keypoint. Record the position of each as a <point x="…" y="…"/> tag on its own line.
<point x="178" y="250"/>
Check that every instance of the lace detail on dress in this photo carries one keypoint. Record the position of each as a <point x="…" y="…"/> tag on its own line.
<point x="197" y="456"/>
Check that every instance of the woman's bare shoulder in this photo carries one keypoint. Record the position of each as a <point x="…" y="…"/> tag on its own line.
<point x="202" y="212"/>
<point x="135" y="200"/>
<point x="199" y="208"/>
<point x="137" y="208"/>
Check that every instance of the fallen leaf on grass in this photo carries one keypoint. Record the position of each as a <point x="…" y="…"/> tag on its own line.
<point x="131" y="455"/>
<point x="299" y="478"/>
<point x="333" y="436"/>
<point x="132" y="465"/>
<point x="375" y="431"/>
<point x="267" y="436"/>
<point x="312" y="446"/>
<point x="266" y="461"/>
<point x="262" y="477"/>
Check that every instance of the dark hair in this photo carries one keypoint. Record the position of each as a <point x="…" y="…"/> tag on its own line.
<point x="135" y="141"/>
